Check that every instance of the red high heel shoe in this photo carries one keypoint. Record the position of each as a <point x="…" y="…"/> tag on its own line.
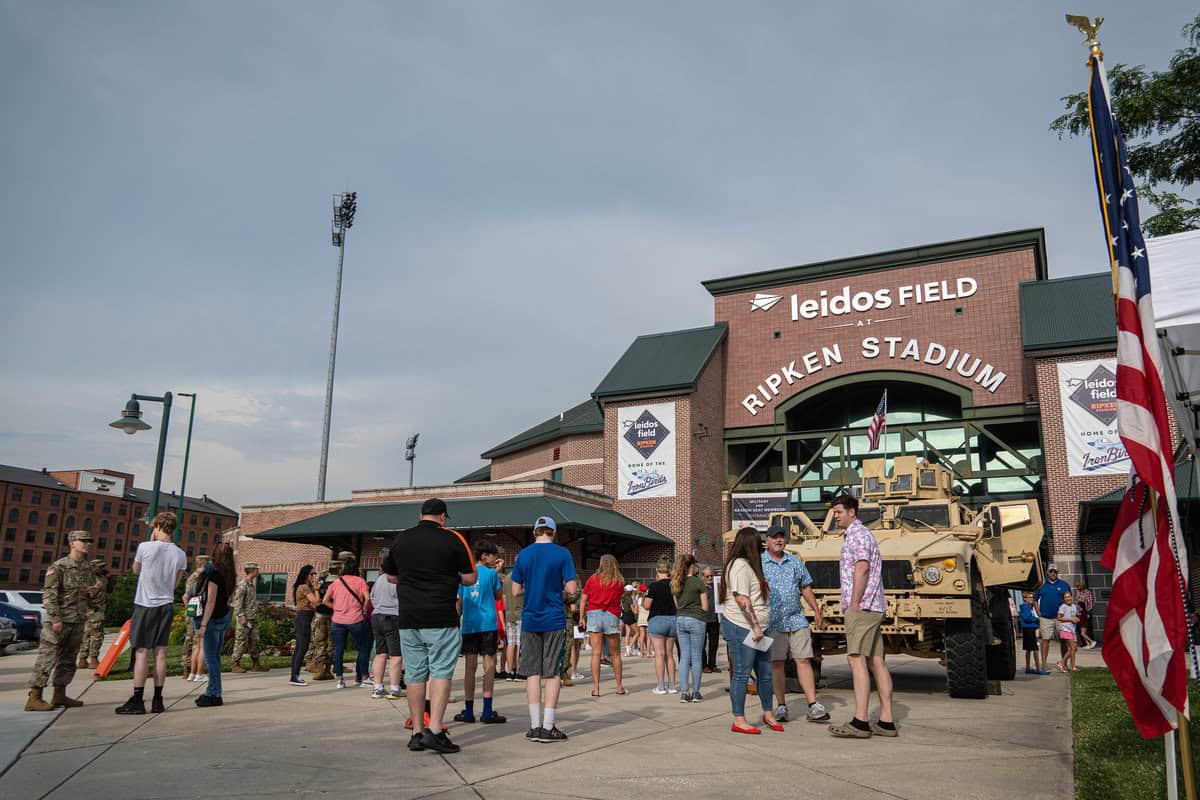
<point x="738" y="729"/>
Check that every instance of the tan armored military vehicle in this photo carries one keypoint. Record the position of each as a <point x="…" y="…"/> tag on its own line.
<point x="946" y="570"/>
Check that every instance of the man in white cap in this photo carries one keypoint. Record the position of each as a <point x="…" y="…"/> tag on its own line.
<point x="544" y="573"/>
<point x="1049" y="597"/>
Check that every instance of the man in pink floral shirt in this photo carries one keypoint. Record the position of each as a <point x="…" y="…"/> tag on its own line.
<point x="863" y="605"/>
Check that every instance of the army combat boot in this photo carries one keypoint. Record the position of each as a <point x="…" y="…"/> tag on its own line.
<point x="93" y="664"/>
<point x="257" y="667"/>
<point x="237" y="666"/>
<point x="324" y="674"/>
<point x="60" y="698"/>
<point x="35" y="701"/>
<point x="82" y="663"/>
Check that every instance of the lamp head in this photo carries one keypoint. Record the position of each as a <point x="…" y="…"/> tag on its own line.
<point x="131" y="419"/>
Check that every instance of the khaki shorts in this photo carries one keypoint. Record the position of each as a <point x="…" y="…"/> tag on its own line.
<point x="1048" y="628"/>
<point x="864" y="633"/>
<point x="799" y="643"/>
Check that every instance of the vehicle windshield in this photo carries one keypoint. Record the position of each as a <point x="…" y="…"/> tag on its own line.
<point x="31" y="597"/>
<point x="934" y="516"/>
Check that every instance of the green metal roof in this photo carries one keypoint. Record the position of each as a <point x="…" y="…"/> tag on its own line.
<point x="466" y="514"/>
<point x="481" y="475"/>
<point x="1034" y="238"/>
<point x="583" y="418"/>
<point x="1067" y="313"/>
<point x="662" y="362"/>
<point x="1185" y="487"/>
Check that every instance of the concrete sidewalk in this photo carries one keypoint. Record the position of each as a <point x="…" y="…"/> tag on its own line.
<point x="272" y="740"/>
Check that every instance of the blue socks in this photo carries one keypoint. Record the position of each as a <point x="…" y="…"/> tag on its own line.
<point x="487" y="706"/>
<point x="469" y="708"/>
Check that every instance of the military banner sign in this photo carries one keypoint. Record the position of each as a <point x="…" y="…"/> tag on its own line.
<point x="646" y="451"/>
<point x="1088" y="391"/>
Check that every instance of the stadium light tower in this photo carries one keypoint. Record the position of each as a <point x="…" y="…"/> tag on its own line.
<point x="410" y="455"/>
<point x="344" y="207"/>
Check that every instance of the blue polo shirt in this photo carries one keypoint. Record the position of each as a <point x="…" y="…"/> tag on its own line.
<point x="785" y="579"/>
<point x="1049" y="597"/>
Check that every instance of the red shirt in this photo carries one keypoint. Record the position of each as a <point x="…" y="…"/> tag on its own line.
<point x="606" y="597"/>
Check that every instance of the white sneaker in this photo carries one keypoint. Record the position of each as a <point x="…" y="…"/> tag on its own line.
<point x="578" y="676"/>
<point x="367" y="683"/>
<point x="781" y="713"/>
<point x="341" y="684"/>
<point x="660" y="689"/>
<point x="202" y="679"/>
<point x="817" y="713"/>
<point x="379" y="693"/>
<point x="673" y="689"/>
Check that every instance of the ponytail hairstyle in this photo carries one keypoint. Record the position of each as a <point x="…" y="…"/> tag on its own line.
<point x="680" y="573"/>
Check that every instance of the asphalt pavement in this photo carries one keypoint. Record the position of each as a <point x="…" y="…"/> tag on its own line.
<point x="272" y="740"/>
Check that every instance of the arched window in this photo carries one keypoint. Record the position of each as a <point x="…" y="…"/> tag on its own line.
<point x="52" y="519"/>
<point x="33" y="517"/>
<point x="70" y="522"/>
<point x="120" y="527"/>
<point x="104" y="526"/>
<point x="87" y="524"/>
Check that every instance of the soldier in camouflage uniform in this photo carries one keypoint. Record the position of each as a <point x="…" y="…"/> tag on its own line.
<point x="70" y="590"/>
<point x="320" y="647"/>
<point x="244" y="606"/>
<point x="93" y="632"/>
<point x="189" y="636"/>
<point x="571" y="609"/>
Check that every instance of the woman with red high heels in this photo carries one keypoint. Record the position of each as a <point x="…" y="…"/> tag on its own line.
<point x="746" y="613"/>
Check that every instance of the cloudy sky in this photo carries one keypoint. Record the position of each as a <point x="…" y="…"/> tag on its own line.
<point x="539" y="183"/>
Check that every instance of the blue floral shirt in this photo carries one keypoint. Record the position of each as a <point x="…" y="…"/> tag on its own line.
<point x="785" y="579"/>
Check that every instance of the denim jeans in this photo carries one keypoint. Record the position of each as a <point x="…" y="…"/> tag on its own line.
<point x="746" y="660"/>
<point x="363" y="639"/>
<point x="214" y="639"/>
<point x="690" y="633"/>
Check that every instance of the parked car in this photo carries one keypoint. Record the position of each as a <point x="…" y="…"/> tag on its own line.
<point x="25" y="598"/>
<point x="28" y="621"/>
<point x="8" y="632"/>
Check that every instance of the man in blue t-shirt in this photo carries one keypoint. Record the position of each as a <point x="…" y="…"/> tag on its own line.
<point x="480" y="633"/>
<point x="1049" y="597"/>
<point x="543" y="573"/>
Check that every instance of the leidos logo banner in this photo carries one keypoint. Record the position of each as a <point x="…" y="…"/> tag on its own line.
<point x="1088" y="390"/>
<point x="646" y="451"/>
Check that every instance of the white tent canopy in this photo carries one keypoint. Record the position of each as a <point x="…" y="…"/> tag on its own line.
<point x="1175" y="276"/>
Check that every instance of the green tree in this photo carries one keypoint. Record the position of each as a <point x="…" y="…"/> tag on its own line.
<point x="120" y="600"/>
<point x="1159" y="114"/>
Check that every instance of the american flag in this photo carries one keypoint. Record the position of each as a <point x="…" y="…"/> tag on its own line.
<point x="1145" y="633"/>
<point x="878" y="422"/>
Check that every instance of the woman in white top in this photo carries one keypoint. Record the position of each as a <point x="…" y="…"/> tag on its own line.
<point x="745" y="615"/>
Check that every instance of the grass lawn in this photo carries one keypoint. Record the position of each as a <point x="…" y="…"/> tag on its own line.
<point x="174" y="668"/>
<point x="1112" y="761"/>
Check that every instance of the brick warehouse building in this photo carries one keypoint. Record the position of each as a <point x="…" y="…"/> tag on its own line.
<point x="38" y="508"/>
<point x="991" y="368"/>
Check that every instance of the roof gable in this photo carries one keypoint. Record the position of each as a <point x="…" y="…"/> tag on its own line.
<point x="663" y="362"/>
<point x="583" y="418"/>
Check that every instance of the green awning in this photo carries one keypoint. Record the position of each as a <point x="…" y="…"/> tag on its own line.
<point x="466" y="515"/>
<point x="1185" y="488"/>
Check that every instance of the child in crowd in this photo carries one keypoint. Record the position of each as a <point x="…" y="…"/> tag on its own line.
<point x="1068" y="616"/>
<point x="1029" y="635"/>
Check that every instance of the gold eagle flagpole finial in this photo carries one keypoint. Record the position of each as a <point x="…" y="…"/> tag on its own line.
<point x="1088" y="28"/>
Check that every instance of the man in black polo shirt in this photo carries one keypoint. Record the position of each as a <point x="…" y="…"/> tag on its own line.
<point x="430" y="561"/>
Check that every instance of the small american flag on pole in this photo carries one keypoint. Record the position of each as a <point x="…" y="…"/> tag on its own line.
<point x="878" y="422"/>
<point x="1145" y="635"/>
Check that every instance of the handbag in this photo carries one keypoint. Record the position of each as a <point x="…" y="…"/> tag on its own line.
<point x="195" y="606"/>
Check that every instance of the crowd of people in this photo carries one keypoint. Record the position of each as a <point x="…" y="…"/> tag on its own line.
<point x="437" y="600"/>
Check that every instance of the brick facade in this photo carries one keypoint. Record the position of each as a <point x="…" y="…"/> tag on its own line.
<point x="986" y="325"/>
<point x="579" y="456"/>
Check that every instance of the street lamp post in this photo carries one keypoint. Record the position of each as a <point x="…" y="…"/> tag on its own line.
<point x="187" y="452"/>
<point x="131" y="422"/>
<point x="410" y="455"/>
<point x="344" y="207"/>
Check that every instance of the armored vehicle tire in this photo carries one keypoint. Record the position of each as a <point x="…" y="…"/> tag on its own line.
<point x="966" y="652"/>
<point x="1001" y="657"/>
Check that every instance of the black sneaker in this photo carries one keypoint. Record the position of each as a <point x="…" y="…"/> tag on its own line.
<point x="534" y="735"/>
<point x="552" y="735"/>
<point x="501" y="676"/>
<point x="208" y="701"/>
<point x="156" y="706"/>
<point x="416" y="743"/>
<point x="463" y="716"/>
<point x="685" y="697"/>
<point x="438" y="742"/>
<point x="134" y="705"/>
<point x="493" y="719"/>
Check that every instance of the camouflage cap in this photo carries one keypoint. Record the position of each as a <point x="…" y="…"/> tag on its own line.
<point x="334" y="566"/>
<point x="99" y="562"/>
<point x="202" y="559"/>
<point x="79" y="536"/>
<point x="249" y="565"/>
<point x="345" y="555"/>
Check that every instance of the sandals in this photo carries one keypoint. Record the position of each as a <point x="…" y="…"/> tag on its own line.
<point x="622" y="691"/>
<point x="595" y="693"/>
<point x="889" y="733"/>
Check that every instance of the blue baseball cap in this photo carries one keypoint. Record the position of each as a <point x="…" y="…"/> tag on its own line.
<point x="545" y="522"/>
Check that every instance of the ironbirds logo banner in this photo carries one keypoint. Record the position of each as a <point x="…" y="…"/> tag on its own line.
<point x="646" y="451"/>
<point x="1088" y="390"/>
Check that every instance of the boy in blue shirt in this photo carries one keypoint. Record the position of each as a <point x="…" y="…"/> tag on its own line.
<point x="480" y="634"/>
<point x="1029" y="634"/>
<point x="544" y="573"/>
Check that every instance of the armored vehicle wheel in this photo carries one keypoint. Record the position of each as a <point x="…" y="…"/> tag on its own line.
<point x="1001" y="657"/>
<point x="966" y="651"/>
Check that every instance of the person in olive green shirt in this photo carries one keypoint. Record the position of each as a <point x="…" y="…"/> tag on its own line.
<point x="691" y="604"/>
